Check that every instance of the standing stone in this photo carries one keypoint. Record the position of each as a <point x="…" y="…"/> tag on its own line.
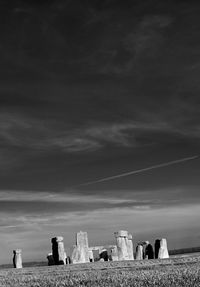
<point x="157" y="247"/>
<point x="149" y="253"/>
<point x="124" y="245"/>
<point x="91" y="256"/>
<point x="130" y="247"/>
<point x="139" y="252"/>
<point x="50" y="259"/>
<point x="114" y="254"/>
<point x="163" y="251"/>
<point x="145" y="244"/>
<point x="58" y="250"/>
<point x="104" y="254"/>
<point x="80" y="253"/>
<point x="17" y="258"/>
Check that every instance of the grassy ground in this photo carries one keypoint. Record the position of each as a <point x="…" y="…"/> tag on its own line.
<point x="173" y="272"/>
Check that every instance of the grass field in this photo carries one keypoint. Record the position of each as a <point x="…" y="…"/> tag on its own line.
<point x="181" y="271"/>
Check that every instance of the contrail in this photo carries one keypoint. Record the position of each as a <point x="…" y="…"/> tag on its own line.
<point x="139" y="170"/>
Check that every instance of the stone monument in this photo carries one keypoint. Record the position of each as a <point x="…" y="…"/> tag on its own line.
<point x="17" y="258"/>
<point x="149" y="253"/>
<point x="157" y="247"/>
<point x="50" y="259"/>
<point x="58" y="250"/>
<point x="124" y="245"/>
<point x="91" y="256"/>
<point x="114" y="254"/>
<point x="139" y="252"/>
<point x="163" y="251"/>
<point x="80" y="253"/>
<point x="145" y="244"/>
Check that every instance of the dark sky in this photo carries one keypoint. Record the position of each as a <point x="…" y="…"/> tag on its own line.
<point x="91" y="89"/>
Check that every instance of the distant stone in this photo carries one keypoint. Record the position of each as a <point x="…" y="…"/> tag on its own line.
<point x="139" y="252"/>
<point x="91" y="255"/>
<point x="121" y="233"/>
<point x="163" y="251"/>
<point x="157" y="247"/>
<point x="17" y="258"/>
<point x="50" y="259"/>
<point x="58" y="250"/>
<point x="114" y="254"/>
<point x="130" y="247"/>
<point x="80" y="253"/>
<point x="68" y="260"/>
<point x="124" y="245"/>
<point x="101" y="260"/>
<point x="149" y="253"/>
<point x="104" y="255"/>
<point x="145" y="244"/>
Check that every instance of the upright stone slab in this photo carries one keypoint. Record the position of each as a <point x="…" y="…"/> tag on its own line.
<point x="157" y="247"/>
<point x="145" y="244"/>
<point x="163" y="251"/>
<point x="130" y="247"/>
<point x="114" y="254"/>
<point x="91" y="256"/>
<point x="149" y="253"/>
<point x="58" y="250"/>
<point x="17" y="258"/>
<point x="50" y="259"/>
<point x="139" y="252"/>
<point x="80" y="253"/>
<point x="124" y="245"/>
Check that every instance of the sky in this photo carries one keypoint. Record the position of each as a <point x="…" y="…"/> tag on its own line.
<point x="89" y="90"/>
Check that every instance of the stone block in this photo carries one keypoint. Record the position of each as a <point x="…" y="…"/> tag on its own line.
<point x="80" y="253"/>
<point x="58" y="250"/>
<point x="157" y="247"/>
<point x="139" y="252"/>
<point x="163" y="251"/>
<point x="50" y="259"/>
<point x="17" y="258"/>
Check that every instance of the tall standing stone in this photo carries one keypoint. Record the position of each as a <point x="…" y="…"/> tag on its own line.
<point x="139" y="252"/>
<point x="58" y="250"/>
<point x="130" y="247"/>
<point x="149" y="253"/>
<point x="157" y="247"/>
<point x="17" y="258"/>
<point x="145" y="244"/>
<point x="124" y="245"/>
<point x="80" y="253"/>
<point x="163" y="251"/>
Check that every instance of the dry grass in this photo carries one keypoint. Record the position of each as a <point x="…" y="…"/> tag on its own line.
<point x="172" y="272"/>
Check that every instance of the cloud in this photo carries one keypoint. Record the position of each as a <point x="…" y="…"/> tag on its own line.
<point x="20" y="131"/>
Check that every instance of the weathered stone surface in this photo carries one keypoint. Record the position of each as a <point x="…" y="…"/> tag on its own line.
<point x="163" y="251"/>
<point x="130" y="247"/>
<point x="121" y="233"/>
<point x="114" y="254"/>
<point x="80" y="253"/>
<point x="124" y="245"/>
<point x="50" y="259"/>
<point x="145" y="244"/>
<point x="104" y="255"/>
<point x="157" y="247"/>
<point x="58" y="250"/>
<point x="17" y="258"/>
<point x="149" y="253"/>
<point x="139" y="252"/>
<point x="91" y="256"/>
